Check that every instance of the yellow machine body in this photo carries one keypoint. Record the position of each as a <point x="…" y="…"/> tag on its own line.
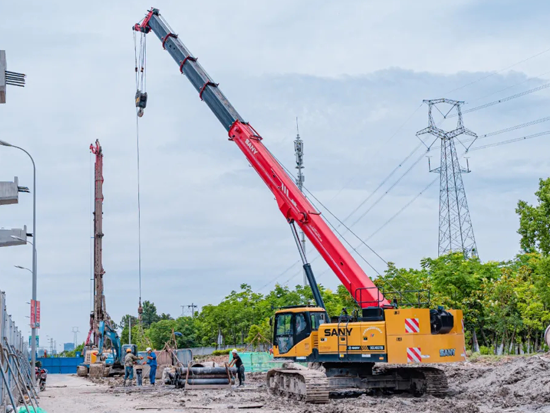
<point x="403" y="336"/>
<point x="91" y="357"/>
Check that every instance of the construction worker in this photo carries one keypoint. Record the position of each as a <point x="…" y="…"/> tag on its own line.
<point x="239" y="364"/>
<point x="129" y="361"/>
<point x="152" y="361"/>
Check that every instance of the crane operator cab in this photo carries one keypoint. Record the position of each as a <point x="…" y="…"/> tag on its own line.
<point x="376" y="335"/>
<point x="296" y="330"/>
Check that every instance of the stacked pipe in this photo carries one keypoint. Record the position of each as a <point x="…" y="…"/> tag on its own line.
<point x="199" y="375"/>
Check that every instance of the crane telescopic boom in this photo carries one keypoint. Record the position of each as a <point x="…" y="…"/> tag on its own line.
<point x="293" y="204"/>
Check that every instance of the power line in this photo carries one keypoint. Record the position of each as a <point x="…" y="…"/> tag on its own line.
<point x="408" y="204"/>
<point x="349" y="215"/>
<point x="496" y="73"/>
<point x="515" y="127"/>
<point x="534" y="135"/>
<point x="384" y="142"/>
<point x="338" y="219"/>
<point x="389" y="189"/>
<point x="506" y="99"/>
<point x="509" y="129"/>
<point x="382" y="183"/>
<point x="507" y="87"/>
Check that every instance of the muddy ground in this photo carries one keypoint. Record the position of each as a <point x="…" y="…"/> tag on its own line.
<point x="514" y="384"/>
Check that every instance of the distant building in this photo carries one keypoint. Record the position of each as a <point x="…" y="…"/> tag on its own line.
<point x="68" y="347"/>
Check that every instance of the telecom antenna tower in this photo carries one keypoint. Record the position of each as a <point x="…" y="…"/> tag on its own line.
<point x="456" y="232"/>
<point x="300" y="179"/>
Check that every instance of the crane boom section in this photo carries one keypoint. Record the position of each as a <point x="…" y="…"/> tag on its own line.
<point x="293" y="204"/>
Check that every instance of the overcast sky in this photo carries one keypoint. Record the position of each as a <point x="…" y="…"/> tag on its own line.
<point x="354" y="72"/>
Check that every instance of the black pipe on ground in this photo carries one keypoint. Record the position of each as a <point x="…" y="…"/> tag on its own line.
<point x="200" y="371"/>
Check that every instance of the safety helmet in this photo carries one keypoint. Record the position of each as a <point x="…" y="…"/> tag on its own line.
<point x="149" y="349"/>
<point x="128" y="350"/>
<point x="234" y="351"/>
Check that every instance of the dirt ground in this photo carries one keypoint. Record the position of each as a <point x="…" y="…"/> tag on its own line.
<point x="514" y="384"/>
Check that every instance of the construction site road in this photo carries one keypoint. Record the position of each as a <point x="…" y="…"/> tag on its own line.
<point x="483" y="385"/>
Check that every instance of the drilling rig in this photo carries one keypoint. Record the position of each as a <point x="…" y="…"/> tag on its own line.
<point x="98" y="313"/>
<point x="100" y="322"/>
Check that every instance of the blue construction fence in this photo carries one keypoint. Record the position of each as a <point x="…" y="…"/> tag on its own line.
<point x="61" y="365"/>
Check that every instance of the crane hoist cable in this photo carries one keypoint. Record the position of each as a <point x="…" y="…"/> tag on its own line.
<point x="140" y="60"/>
<point x="141" y="102"/>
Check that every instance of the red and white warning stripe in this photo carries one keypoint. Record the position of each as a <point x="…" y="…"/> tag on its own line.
<point x="412" y="325"/>
<point x="463" y="348"/>
<point x="414" y="355"/>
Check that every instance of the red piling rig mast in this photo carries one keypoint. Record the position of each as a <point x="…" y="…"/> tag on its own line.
<point x="99" y="313"/>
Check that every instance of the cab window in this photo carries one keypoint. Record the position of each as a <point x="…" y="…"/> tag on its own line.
<point x="284" y="334"/>
<point x="316" y="320"/>
<point x="300" y="323"/>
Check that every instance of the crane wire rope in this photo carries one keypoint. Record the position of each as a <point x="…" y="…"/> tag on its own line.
<point x="327" y="221"/>
<point x="140" y="66"/>
<point x="334" y="216"/>
<point x="341" y="223"/>
<point x="362" y="242"/>
<point x="385" y="223"/>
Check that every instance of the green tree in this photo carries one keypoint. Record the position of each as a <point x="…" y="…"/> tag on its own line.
<point x="149" y="315"/>
<point x="161" y="332"/>
<point x="126" y="320"/>
<point x="259" y="334"/>
<point x="188" y="329"/>
<point x="534" y="221"/>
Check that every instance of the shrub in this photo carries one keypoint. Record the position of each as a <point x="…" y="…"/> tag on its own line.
<point x="224" y="352"/>
<point x="485" y="351"/>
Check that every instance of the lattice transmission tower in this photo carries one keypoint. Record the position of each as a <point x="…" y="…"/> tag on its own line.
<point x="456" y="232"/>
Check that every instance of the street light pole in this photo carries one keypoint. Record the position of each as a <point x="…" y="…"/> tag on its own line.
<point x="34" y="263"/>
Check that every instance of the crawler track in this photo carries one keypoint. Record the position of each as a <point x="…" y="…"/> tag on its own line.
<point x="310" y="386"/>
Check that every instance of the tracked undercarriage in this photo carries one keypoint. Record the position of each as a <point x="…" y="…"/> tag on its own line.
<point x="296" y="381"/>
<point x="342" y="379"/>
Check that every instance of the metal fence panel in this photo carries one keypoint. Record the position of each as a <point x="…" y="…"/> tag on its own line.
<point x="16" y="370"/>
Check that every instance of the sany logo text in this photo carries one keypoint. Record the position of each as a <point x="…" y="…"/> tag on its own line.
<point x="252" y="148"/>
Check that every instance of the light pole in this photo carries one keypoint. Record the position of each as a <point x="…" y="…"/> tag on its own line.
<point x="34" y="264"/>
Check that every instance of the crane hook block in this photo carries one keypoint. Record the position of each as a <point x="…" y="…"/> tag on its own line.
<point x="141" y="99"/>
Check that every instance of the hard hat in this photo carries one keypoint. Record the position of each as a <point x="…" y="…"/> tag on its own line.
<point x="148" y="349"/>
<point x="234" y="351"/>
<point x="128" y="350"/>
